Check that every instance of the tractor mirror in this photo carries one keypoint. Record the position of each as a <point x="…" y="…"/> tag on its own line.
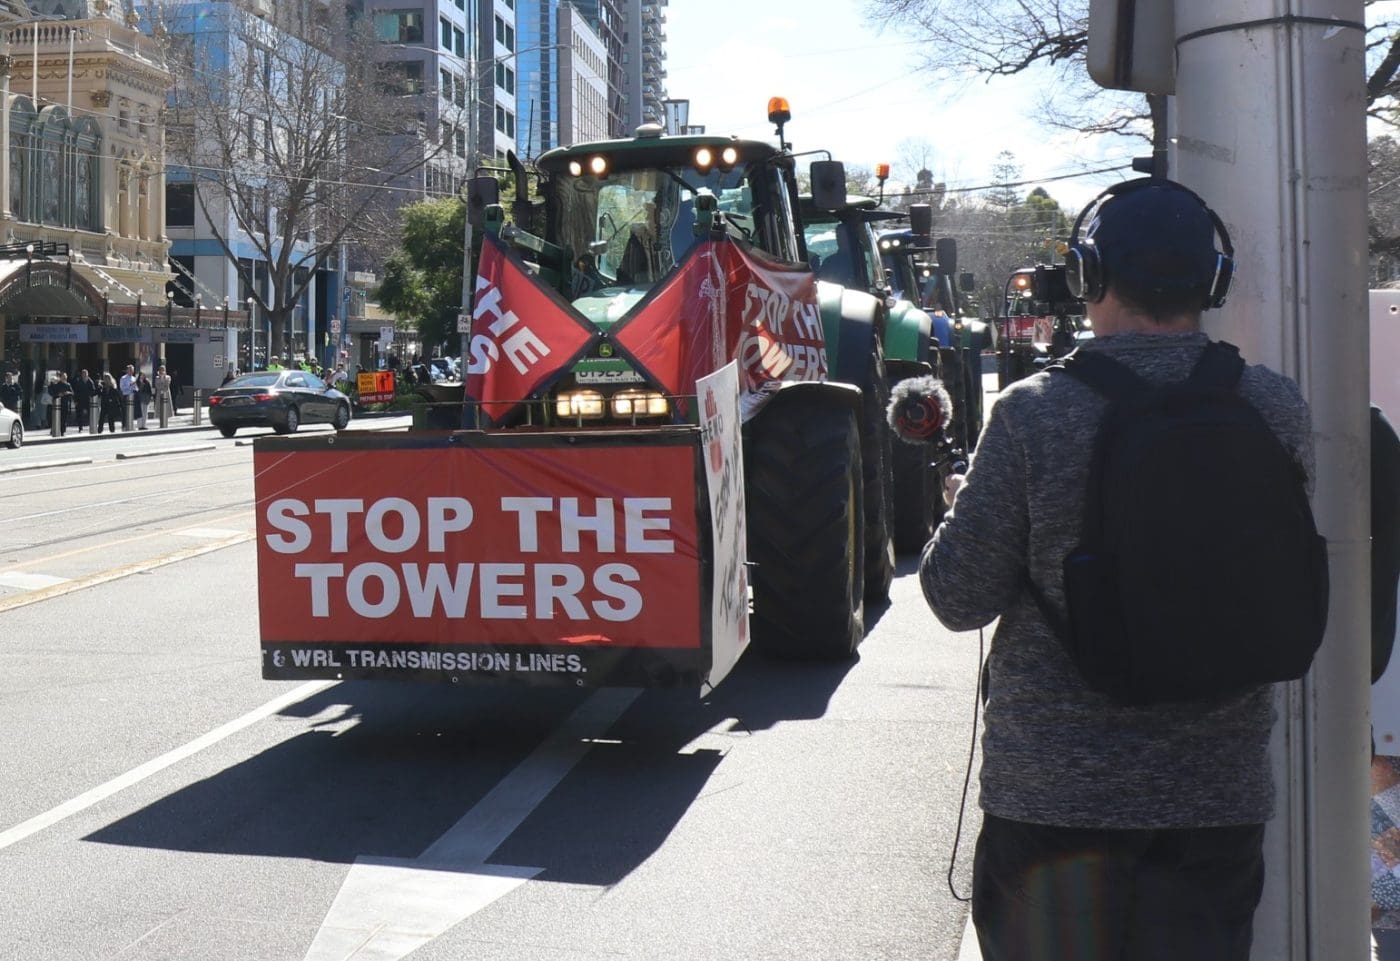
<point x="921" y="220"/>
<point x="947" y="251"/>
<point x="967" y="282"/>
<point x="828" y="184"/>
<point x="482" y="192"/>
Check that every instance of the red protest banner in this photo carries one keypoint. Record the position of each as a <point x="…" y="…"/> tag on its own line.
<point x="511" y="546"/>
<point x="523" y="334"/>
<point x="726" y="302"/>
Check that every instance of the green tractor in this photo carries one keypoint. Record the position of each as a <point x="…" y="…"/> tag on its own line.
<point x="928" y="272"/>
<point x="847" y="244"/>
<point x="610" y="230"/>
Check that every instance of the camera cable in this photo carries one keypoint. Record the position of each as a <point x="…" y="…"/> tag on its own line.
<point x="971" y="755"/>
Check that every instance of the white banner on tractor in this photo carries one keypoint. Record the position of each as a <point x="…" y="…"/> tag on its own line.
<point x="718" y="395"/>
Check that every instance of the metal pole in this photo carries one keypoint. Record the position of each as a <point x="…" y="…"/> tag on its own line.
<point x="1271" y="131"/>
<point x="198" y="407"/>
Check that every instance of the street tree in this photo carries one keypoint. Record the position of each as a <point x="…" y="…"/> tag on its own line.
<point x="1005" y="173"/>
<point x="294" y="135"/>
<point x="422" y="280"/>
<point x="423" y="277"/>
<point x="993" y="240"/>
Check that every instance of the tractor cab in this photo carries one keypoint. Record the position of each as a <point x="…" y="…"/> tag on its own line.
<point x="622" y="214"/>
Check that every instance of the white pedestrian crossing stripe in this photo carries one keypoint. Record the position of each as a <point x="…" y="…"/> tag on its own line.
<point x="29" y="582"/>
<point x="208" y="533"/>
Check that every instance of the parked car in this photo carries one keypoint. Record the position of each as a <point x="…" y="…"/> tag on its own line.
<point x="11" y="428"/>
<point x="280" y="399"/>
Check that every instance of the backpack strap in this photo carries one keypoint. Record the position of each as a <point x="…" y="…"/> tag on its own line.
<point x="1110" y="378"/>
<point x="1219" y="367"/>
<point x="1056" y="621"/>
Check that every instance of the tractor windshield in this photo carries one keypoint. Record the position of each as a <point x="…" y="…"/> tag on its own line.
<point x="630" y="228"/>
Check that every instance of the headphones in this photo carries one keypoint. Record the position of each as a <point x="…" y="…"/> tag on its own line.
<point x="1084" y="266"/>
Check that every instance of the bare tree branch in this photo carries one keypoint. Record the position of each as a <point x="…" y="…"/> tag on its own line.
<point x="294" y="136"/>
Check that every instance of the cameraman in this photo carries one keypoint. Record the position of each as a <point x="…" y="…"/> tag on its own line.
<point x="1109" y="831"/>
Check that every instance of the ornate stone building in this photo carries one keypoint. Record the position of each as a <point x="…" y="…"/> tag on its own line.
<point x="85" y="280"/>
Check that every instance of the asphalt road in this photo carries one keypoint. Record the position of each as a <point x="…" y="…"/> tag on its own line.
<point x="163" y="802"/>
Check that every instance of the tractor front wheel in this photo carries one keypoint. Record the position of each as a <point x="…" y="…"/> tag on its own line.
<point x="806" y="531"/>
<point x="877" y="458"/>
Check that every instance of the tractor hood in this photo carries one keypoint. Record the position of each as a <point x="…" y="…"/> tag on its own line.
<point x="606" y="306"/>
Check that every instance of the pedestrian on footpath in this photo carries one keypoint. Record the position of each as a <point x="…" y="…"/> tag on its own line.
<point x="45" y="402"/>
<point x="1113" y="829"/>
<point x="61" y="393"/>
<point x="128" y="386"/>
<point x="10" y="394"/>
<point x="163" y="396"/>
<point x="144" y="393"/>
<point x="84" y="390"/>
<point x="110" y="403"/>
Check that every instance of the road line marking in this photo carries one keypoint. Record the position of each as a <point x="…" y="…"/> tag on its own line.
<point x="128" y="455"/>
<point x="116" y="573"/>
<point x="390" y="907"/>
<point x="42" y="464"/>
<point x="154" y="766"/>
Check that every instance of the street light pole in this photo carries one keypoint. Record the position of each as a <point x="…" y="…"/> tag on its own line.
<point x="252" y="337"/>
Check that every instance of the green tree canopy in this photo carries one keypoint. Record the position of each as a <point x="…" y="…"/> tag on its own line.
<point x="423" y="278"/>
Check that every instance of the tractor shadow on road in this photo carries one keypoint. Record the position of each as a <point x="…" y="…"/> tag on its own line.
<point x="383" y="769"/>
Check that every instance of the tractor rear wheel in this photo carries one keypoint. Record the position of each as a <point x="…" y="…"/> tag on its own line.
<point x="877" y="458"/>
<point x="918" y="503"/>
<point x="805" y="532"/>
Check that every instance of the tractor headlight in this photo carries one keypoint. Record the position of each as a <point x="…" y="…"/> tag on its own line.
<point x="703" y="158"/>
<point x="640" y="403"/>
<point x="580" y="404"/>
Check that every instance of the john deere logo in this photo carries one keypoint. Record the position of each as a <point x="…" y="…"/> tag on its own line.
<point x="605" y="349"/>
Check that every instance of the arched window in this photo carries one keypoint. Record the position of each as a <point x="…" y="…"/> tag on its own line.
<point x="55" y="178"/>
<point x="22" y="159"/>
<point x="87" y="151"/>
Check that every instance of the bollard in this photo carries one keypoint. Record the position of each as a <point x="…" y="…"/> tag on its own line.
<point x="128" y="413"/>
<point x="198" y="407"/>
<point x="163" y="411"/>
<point x="94" y="415"/>
<point x="55" y="421"/>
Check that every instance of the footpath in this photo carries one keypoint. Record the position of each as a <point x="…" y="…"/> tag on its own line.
<point x="182" y="422"/>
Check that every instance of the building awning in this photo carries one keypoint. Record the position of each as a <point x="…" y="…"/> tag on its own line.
<point x="64" y="289"/>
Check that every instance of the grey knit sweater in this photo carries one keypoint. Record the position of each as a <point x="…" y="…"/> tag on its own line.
<point x="1053" y="751"/>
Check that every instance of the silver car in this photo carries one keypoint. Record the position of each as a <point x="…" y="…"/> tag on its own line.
<point x="11" y="428"/>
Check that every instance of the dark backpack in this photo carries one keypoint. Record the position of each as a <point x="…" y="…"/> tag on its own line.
<point x="1199" y="571"/>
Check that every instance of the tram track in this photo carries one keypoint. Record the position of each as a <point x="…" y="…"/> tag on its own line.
<point x="124" y="526"/>
<point x="102" y="482"/>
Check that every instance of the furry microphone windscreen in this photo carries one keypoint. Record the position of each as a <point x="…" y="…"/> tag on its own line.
<point x="919" y="410"/>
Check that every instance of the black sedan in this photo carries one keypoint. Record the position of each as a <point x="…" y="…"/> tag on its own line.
<point x="280" y="399"/>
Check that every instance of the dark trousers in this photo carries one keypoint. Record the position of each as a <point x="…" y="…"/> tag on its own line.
<point x="1042" y="893"/>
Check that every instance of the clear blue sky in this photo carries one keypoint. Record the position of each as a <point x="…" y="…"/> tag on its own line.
<point x="856" y="92"/>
